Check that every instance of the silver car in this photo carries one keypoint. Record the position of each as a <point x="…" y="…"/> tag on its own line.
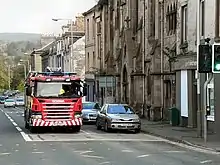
<point x="9" y="103"/>
<point x="118" y="116"/>
<point x="89" y="111"/>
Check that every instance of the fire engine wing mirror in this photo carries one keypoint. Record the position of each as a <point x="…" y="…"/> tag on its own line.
<point x="85" y="90"/>
<point x="28" y="91"/>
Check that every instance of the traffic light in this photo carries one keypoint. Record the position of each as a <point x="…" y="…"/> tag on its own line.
<point x="205" y="59"/>
<point x="216" y="58"/>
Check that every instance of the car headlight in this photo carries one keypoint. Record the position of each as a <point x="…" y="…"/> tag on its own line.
<point x="136" y="120"/>
<point x="115" y="120"/>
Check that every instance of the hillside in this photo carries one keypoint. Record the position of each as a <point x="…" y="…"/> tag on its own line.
<point x="15" y="37"/>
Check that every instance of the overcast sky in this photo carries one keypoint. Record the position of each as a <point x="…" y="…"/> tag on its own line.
<point x="34" y="16"/>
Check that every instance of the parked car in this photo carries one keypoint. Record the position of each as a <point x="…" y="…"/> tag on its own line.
<point x="2" y="99"/>
<point x="118" y="116"/>
<point x="19" y="102"/>
<point x="90" y="111"/>
<point x="9" y="103"/>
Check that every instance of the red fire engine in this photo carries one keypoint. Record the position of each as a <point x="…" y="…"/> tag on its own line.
<point x="53" y="98"/>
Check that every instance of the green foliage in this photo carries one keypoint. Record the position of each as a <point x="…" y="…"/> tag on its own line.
<point x="20" y="86"/>
<point x="18" y="77"/>
<point x="3" y="74"/>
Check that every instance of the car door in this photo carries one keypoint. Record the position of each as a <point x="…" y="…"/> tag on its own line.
<point x="103" y="115"/>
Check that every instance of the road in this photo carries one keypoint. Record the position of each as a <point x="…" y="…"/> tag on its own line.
<point x="90" y="146"/>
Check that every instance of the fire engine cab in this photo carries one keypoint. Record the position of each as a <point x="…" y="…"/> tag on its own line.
<point x="53" y="99"/>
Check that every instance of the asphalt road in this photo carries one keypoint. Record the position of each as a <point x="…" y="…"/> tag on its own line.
<point x="90" y="146"/>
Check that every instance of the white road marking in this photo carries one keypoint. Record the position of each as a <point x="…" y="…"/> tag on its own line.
<point x="206" y="161"/>
<point x="142" y="156"/>
<point x="17" y="144"/>
<point x="84" y="152"/>
<point x="5" y="153"/>
<point x="85" y="132"/>
<point x="104" y="163"/>
<point x="19" y="129"/>
<point x="95" y="140"/>
<point x="174" y="151"/>
<point x="24" y="135"/>
<point x="16" y="150"/>
<point x="91" y="156"/>
<point x="37" y="152"/>
<point x="126" y="151"/>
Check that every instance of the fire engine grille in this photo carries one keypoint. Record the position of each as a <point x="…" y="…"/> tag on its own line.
<point x="57" y="111"/>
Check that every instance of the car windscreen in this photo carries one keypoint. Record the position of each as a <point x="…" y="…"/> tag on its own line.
<point x="120" y="109"/>
<point x="19" y="100"/>
<point x="9" y="100"/>
<point x="91" y="106"/>
<point x="88" y="105"/>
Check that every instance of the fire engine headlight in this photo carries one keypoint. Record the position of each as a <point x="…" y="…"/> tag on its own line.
<point x="67" y="79"/>
<point x="78" y="116"/>
<point x="36" y="116"/>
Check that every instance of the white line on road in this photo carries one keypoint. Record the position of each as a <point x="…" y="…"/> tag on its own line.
<point x="91" y="156"/>
<point x="24" y="135"/>
<point x="19" y="129"/>
<point x="142" y="156"/>
<point x="105" y="163"/>
<point x="95" y="140"/>
<point x="174" y="151"/>
<point x="206" y="161"/>
<point x="126" y="151"/>
<point x="37" y="152"/>
<point x="85" y="152"/>
<point x="85" y="132"/>
<point x="5" y="153"/>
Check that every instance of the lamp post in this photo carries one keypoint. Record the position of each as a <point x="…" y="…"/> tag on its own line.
<point x="21" y="61"/>
<point x="71" y="35"/>
<point x="25" y="71"/>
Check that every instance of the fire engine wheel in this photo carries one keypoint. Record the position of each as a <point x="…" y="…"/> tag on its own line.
<point x="77" y="128"/>
<point x="27" y="125"/>
<point x="33" y="129"/>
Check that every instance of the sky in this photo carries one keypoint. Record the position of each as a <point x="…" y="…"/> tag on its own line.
<point x="35" y="16"/>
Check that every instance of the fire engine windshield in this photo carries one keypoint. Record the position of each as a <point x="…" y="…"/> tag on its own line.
<point x="58" y="89"/>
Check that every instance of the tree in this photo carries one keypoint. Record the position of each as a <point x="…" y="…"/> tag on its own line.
<point x="3" y="74"/>
<point x="18" y="77"/>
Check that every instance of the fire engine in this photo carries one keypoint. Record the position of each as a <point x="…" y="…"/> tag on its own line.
<point x="53" y="99"/>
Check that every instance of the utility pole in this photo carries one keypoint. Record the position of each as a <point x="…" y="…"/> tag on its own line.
<point x="9" y="77"/>
<point x="199" y="112"/>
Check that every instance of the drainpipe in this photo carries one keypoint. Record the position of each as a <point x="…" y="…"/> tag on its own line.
<point x="162" y="58"/>
<point x="143" y="58"/>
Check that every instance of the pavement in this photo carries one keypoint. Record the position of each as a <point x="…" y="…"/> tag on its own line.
<point x="188" y="136"/>
<point x="90" y="146"/>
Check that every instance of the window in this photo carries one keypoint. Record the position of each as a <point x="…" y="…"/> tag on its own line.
<point x="93" y="27"/>
<point x="152" y="18"/>
<point x="217" y="18"/>
<point x="87" y="29"/>
<point x="94" y="59"/>
<point x="88" y="61"/>
<point x="91" y="105"/>
<point x="171" y="19"/>
<point x="184" y="23"/>
<point x="202" y="18"/>
<point x="57" y="89"/>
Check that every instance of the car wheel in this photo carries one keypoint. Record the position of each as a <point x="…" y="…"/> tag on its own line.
<point x="106" y="127"/>
<point x="98" y="126"/>
<point x="138" y="130"/>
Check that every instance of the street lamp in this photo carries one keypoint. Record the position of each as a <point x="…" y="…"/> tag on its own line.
<point x="21" y="61"/>
<point x="71" y="35"/>
<point x="25" y="71"/>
